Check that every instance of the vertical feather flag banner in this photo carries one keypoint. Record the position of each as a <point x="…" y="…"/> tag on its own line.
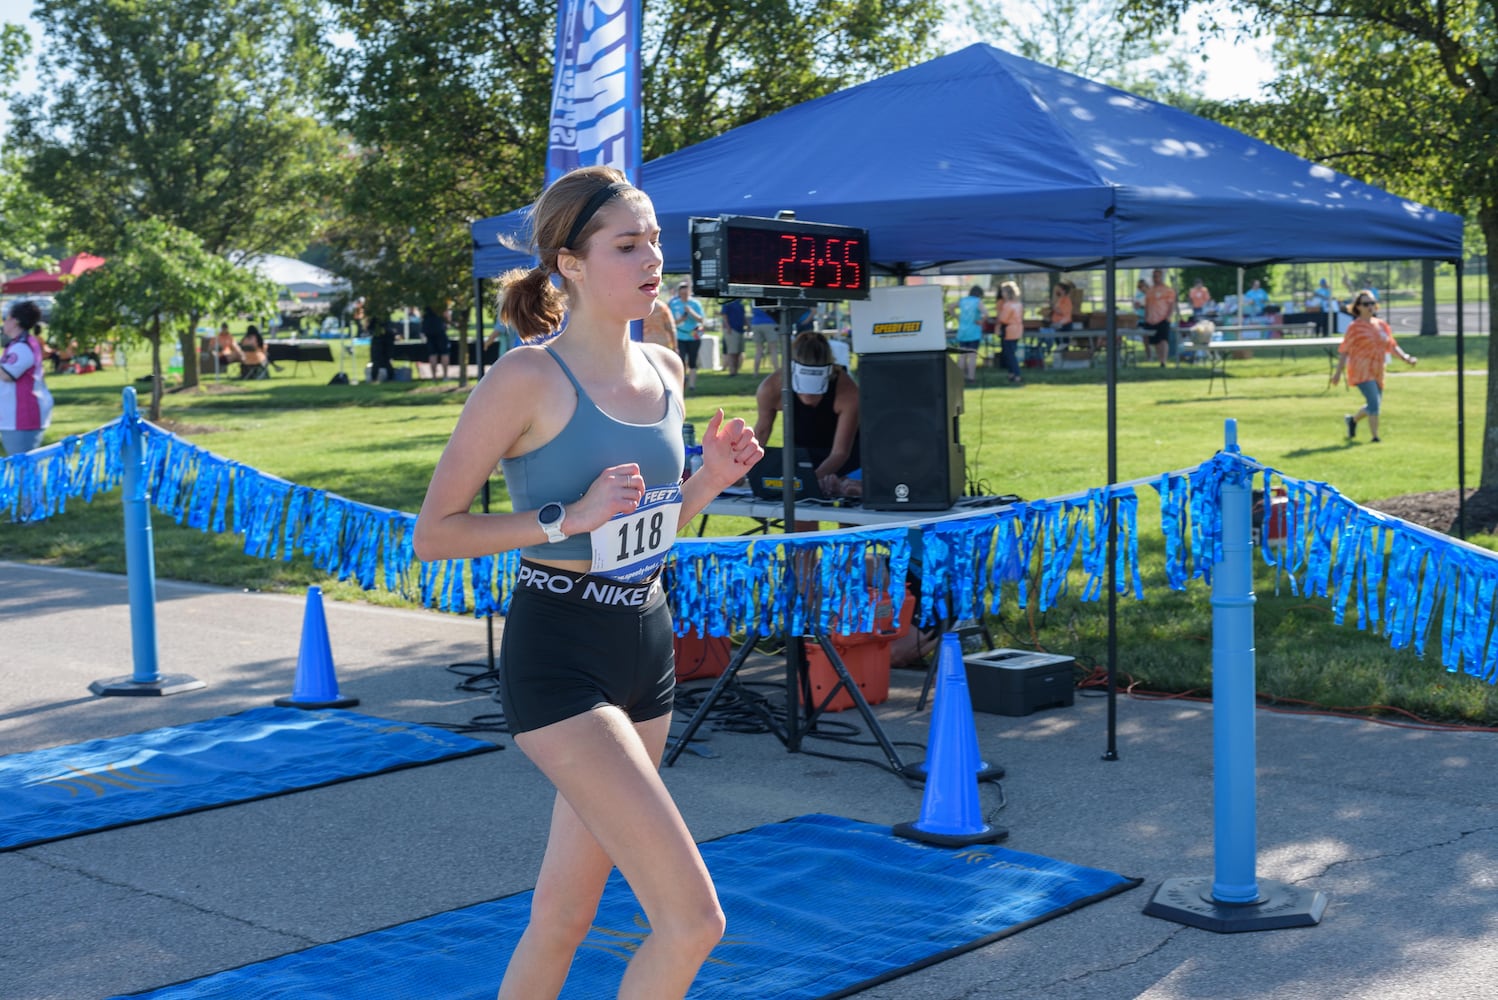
<point x="595" y="95"/>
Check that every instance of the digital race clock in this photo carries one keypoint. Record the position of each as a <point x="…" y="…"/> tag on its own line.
<point x="744" y="256"/>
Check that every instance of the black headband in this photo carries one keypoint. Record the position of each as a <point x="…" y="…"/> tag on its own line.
<point x="596" y="202"/>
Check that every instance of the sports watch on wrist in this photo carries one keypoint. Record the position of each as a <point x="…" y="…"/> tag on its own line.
<point x="550" y="518"/>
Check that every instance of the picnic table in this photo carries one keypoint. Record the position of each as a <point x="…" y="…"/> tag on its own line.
<point x="1092" y="341"/>
<point x="1219" y="351"/>
<point x="298" y="351"/>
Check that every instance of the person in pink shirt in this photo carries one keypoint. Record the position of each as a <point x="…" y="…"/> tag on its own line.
<point x="1362" y="354"/>
<point x="25" y="401"/>
<point x="1011" y="322"/>
<point x="1159" y="312"/>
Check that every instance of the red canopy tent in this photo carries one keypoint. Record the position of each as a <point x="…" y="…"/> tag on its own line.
<point x="40" y="282"/>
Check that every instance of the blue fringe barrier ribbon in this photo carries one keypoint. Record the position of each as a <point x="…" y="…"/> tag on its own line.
<point x="1394" y="576"/>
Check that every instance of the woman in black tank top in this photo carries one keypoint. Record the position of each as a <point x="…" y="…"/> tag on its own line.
<point x="587" y="668"/>
<point x="826" y="408"/>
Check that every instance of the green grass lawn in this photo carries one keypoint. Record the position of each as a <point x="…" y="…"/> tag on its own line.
<point x="378" y="444"/>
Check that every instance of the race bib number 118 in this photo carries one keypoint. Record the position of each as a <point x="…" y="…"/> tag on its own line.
<point x="629" y="547"/>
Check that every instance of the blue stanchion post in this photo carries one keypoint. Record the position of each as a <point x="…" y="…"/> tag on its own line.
<point x="140" y="574"/>
<point x="1233" y="749"/>
<point x="1235" y="899"/>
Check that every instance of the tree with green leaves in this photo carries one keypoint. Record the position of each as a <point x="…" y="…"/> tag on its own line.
<point x="1402" y="94"/>
<point x="711" y="67"/>
<point x="448" y="105"/>
<point x="193" y="112"/>
<point x="26" y="217"/>
<point x="1089" y="38"/>
<point x="445" y="102"/>
<point x="157" y="280"/>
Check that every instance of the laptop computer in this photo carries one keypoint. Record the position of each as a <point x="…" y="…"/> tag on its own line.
<point x="767" y="478"/>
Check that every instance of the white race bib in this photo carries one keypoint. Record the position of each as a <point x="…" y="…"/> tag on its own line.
<point x="630" y="547"/>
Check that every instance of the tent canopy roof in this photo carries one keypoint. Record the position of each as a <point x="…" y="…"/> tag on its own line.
<point x="984" y="161"/>
<point x="294" y="275"/>
<point x="42" y="282"/>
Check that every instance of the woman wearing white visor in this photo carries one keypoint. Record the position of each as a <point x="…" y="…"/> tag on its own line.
<point x="826" y="411"/>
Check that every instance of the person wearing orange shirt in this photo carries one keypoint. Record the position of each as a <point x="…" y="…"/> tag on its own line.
<point x="1159" y="311"/>
<point x="1200" y="296"/>
<point x="1011" y="322"/>
<point x="1061" y="307"/>
<point x="1362" y="353"/>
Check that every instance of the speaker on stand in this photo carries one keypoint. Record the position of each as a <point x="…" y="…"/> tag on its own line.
<point x="912" y="453"/>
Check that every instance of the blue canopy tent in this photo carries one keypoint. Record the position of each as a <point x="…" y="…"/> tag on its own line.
<point x="983" y="162"/>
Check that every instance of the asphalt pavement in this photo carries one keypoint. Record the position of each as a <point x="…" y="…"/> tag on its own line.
<point x="1398" y="827"/>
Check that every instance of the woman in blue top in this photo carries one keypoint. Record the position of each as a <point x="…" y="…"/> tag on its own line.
<point x="690" y="322"/>
<point x="970" y="331"/>
<point x="588" y="430"/>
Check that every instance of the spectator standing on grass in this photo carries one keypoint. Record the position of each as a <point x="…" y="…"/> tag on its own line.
<point x="766" y="338"/>
<point x="735" y="326"/>
<point x="690" y="322"/>
<point x="1011" y="323"/>
<point x="1159" y="314"/>
<point x="439" y="348"/>
<point x="1362" y="354"/>
<point x="970" y="332"/>
<point x="25" y="400"/>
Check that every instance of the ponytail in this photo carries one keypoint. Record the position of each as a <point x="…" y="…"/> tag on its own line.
<point x="532" y="305"/>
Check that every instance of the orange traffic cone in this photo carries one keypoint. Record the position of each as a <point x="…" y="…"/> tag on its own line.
<point x="316" y="685"/>
<point x="951" y="815"/>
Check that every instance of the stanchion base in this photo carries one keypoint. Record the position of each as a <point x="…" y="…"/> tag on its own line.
<point x="1189" y="901"/>
<point x="335" y="703"/>
<point x="163" y="685"/>
<point x="986" y="771"/>
<point x="984" y="835"/>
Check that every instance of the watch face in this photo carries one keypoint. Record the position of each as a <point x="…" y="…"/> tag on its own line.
<point x="550" y="514"/>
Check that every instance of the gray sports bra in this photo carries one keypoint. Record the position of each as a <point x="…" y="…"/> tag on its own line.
<point x="563" y="468"/>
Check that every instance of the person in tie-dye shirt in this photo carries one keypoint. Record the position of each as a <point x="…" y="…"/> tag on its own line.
<point x="1364" y="348"/>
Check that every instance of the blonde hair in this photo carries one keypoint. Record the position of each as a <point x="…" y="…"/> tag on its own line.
<point x="1009" y="290"/>
<point x="532" y="304"/>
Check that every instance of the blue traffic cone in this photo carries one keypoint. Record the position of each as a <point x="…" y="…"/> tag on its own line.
<point x="316" y="686"/>
<point x="986" y="771"/>
<point x="951" y="815"/>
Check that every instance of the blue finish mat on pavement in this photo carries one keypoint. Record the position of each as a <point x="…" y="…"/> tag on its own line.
<point x="82" y="788"/>
<point x="818" y="907"/>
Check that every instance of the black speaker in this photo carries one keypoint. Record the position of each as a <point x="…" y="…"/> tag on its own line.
<point x="911" y="450"/>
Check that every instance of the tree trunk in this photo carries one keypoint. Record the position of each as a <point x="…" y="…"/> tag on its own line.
<point x="190" y="353"/>
<point x="1428" y="325"/>
<point x="460" y="322"/>
<point x="155" y="338"/>
<point x="1488" y="219"/>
